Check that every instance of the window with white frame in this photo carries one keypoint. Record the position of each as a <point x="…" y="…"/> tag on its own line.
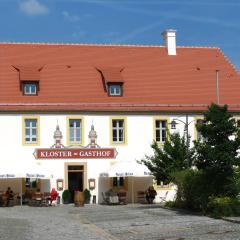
<point x="161" y="130"/>
<point x="75" y="128"/>
<point x="31" y="126"/>
<point x="30" y="88"/>
<point x="115" y="90"/>
<point x="118" y="131"/>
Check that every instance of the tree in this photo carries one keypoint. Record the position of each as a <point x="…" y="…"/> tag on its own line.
<point x="174" y="156"/>
<point x="217" y="154"/>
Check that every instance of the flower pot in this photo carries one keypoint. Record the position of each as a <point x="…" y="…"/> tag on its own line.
<point x="78" y="199"/>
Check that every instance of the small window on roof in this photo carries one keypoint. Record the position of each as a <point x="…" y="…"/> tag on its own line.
<point x="115" y="89"/>
<point x="30" y="88"/>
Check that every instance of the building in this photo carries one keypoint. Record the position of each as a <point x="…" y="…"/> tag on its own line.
<point x="113" y="98"/>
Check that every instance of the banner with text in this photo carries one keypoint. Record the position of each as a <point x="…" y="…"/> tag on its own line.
<point x="75" y="153"/>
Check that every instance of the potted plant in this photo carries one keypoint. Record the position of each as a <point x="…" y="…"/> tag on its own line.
<point x="87" y="196"/>
<point x="66" y="196"/>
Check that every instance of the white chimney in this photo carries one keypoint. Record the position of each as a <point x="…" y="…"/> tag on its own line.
<point x="169" y="37"/>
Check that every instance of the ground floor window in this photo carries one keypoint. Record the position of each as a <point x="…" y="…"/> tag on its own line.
<point x="31" y="182"/>
<point x="118" y="182"/>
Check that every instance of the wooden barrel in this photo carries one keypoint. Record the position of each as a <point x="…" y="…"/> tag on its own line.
<point x="78" y="199"/>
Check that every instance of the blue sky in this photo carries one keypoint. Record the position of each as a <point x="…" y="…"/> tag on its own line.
<point x="198" y="22"/>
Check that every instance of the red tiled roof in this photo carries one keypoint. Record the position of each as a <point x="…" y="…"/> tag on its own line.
<point x="70" y="79"/>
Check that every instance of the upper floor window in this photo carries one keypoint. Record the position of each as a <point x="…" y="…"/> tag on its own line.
<point x="161" y="130"/>
<point x="115" y="90"/>
<point x="75" y="131"/>
<point x="30" y="88"/>
<point x="31" y="131"/>
<point x="118" y="131"/>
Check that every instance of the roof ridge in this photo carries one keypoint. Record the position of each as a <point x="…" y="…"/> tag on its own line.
<point x="100" y="44"/>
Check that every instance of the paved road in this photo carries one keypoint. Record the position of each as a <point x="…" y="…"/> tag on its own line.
<point x="110" y="223"/>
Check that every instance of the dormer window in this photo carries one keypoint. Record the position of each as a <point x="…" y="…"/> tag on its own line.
<point x="29" y="79"/>
<point x="112" y="80"/>
<point x="30" y="88"/>
<point x="115" y="89"/>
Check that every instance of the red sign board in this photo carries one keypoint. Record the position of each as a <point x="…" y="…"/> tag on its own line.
<point x="75" y="153"/>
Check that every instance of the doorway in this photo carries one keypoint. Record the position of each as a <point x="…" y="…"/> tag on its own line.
<point x="75" y="179"/>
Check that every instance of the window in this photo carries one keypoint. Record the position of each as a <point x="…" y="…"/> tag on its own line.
<point x="31" y="131"/>
<point x="115" y="90"/>
<point x="75" y="129"/>
<point x="161" y="131"/>
<point x="31" y="182"/>
<point x="118" y="130"/>
<point x="30" y="88"/>
<point x="118" y="182"/>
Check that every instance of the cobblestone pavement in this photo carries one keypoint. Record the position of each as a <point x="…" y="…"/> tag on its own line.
<point x="99" y="222"/>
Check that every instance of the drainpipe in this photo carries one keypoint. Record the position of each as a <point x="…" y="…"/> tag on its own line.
<point x="217" y="86"/>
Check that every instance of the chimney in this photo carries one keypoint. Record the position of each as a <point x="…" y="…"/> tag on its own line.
<point x="169" y="37"/>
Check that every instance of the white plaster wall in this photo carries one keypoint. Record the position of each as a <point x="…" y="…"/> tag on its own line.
<point x="139" y="137"/>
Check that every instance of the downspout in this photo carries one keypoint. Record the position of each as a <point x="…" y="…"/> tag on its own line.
<point x="217" y="86"/>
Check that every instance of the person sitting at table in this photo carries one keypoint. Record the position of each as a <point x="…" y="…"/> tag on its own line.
<point x="150" y="194"/>
<point x="53" y="195"/>
<point x="10" y="195"/>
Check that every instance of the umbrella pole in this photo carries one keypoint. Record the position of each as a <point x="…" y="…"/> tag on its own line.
<point x="21" y="191"/>
<point x="132" y="192"/>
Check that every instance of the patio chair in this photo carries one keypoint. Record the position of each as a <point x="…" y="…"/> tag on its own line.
<point x="122" y="196"/>
<point x="164" y="197"/>
<point x="141" y="197"/>
<point x="105" y="198"/>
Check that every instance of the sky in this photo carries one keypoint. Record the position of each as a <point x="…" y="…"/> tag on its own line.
<point x="213" y="23"/>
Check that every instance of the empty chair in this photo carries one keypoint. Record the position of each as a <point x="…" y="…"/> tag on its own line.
<point x="122" y="196"/>
<point x="164" y="197"/>
<point x="141" y="197"/>
<point x="105" y="198"/>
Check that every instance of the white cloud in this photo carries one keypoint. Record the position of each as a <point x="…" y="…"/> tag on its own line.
<point x="69" y="17"/>
<point x="33" y="7"/>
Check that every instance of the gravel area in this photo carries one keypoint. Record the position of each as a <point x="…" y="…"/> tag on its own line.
<point x="110" y="222"/>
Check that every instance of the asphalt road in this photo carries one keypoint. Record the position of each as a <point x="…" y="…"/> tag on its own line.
<point x="151" y="222"/>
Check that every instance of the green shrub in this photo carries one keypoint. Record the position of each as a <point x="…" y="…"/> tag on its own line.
<point x="66" y="196"/>
<point x="223" y="207"/>
<point x="87" y="195"/>
<point x="170" y="204"/>
<point x="191" y="192"/>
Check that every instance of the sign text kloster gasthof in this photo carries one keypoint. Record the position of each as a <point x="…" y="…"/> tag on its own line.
<point x="75" y="153"/>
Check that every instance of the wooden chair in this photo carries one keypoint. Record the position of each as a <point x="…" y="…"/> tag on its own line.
<point x="37" y="199"/>
<point x="122" y="196"/>
<point x="105" y="198"/>
<point x="141" y="197"/>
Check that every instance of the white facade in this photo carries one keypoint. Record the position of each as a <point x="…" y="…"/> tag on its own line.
<point x="139" y="136"/>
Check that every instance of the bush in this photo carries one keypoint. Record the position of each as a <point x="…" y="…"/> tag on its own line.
<point x="170" y="204"/>
<point x="191" y="193"/>
<point x="223" y="207"/>
<point x="87" y="195"/>
<point x="66" y="196"/>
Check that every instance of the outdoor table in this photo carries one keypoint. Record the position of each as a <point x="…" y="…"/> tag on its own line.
<point x="113" y="199"/>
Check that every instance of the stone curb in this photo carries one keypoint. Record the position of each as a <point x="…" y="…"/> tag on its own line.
<point x="199" y="214"/>
<point x="231" y="220"/>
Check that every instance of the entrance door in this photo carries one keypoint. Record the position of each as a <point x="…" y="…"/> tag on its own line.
<point x="75" y="179"/>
